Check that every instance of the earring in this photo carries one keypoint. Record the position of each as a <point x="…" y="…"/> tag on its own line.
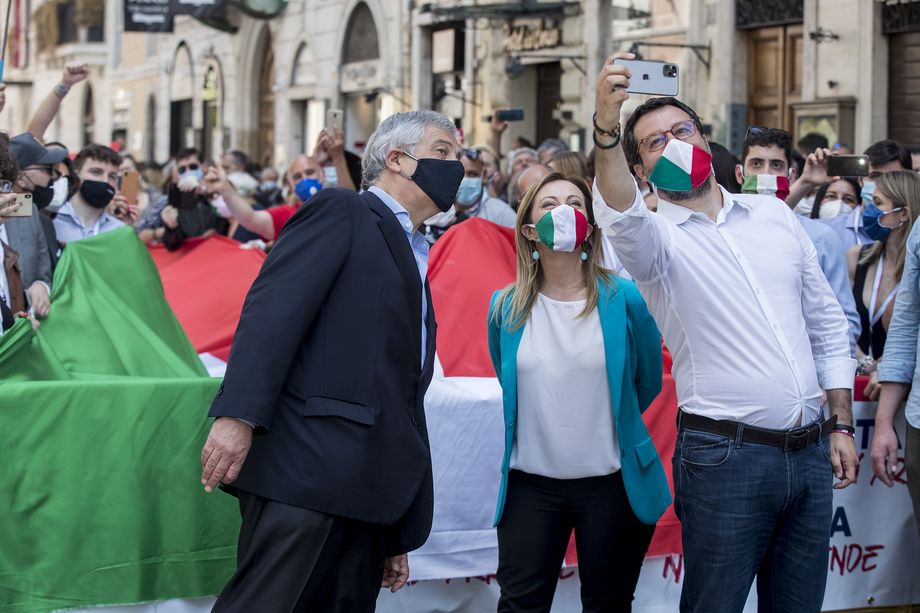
<point x="584" y="256"/>
<point x="535" y="255"/>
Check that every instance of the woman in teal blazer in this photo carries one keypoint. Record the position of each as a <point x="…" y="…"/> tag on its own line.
<point x="577" y="453"/>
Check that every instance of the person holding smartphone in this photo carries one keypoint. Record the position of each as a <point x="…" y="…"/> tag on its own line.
<point x="578" y="357"/>
<point x="758" y="340"/>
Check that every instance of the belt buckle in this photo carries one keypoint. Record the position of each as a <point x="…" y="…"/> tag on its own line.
<point x="796" y="439"/>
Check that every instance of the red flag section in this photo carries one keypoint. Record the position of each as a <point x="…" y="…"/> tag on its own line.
<point x="466" y="266"/>
<point x="206" y="281"/>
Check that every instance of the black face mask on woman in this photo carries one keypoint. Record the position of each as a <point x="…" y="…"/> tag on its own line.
<point x="439" y="179"/>
<point x="97" y="194"/>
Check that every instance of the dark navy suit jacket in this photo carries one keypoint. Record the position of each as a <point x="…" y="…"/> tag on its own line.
<point x="326" y="362"/>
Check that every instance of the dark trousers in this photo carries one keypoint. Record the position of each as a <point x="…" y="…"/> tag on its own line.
<point x="539" y="516"/>
<point x="747" y="510"/>
<point x="295" y="559"/>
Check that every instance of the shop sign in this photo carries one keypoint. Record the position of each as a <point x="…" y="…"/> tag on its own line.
<point x="148" y="16"/>
<point x="531" y="36"/>
<point x="361" y="76"/>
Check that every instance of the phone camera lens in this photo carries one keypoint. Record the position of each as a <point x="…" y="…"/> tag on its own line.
<point x="670" y="70"/>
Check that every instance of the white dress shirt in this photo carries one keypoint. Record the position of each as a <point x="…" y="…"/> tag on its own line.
<point x="751" y="322"/>
<point x="565" y="426"/>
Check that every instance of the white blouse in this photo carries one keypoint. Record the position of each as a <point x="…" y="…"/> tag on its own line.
<point x="565" y="427"/>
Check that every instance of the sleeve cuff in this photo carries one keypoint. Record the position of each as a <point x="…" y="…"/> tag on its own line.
<point x="606" y="216"/>
<point x="894" y="373"/>
<point x="836" y="373"/>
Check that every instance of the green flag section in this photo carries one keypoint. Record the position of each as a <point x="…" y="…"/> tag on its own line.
<point x="103" y="413"/>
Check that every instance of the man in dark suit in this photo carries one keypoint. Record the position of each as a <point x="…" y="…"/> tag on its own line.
<point x="329" y="368"/>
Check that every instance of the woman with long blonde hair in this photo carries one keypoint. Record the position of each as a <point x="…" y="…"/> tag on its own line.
<point x="876" y="268"/>
<point x="578" y="357"/>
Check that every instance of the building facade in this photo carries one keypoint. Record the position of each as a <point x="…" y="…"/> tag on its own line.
<point x="262" y="83"/>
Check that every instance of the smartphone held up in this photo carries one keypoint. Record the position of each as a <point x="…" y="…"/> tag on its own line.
<point x="651" y="77"/>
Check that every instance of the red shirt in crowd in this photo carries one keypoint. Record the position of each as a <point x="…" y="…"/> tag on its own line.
<point x="280" y="216"/>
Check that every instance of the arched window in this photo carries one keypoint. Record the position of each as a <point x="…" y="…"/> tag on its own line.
<point x="361" y="42"/>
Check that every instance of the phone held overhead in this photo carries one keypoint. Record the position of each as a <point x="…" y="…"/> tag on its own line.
<point x="651" y="77"/>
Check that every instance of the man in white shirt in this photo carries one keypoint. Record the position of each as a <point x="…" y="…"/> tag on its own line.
<point x="756" y="335"/>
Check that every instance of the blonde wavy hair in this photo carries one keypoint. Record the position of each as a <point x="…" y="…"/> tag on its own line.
<point x="902" y="187"/>
<point x="516" y="300"/>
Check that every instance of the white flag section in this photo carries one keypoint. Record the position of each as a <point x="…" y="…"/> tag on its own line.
<point x="874" y="547"/>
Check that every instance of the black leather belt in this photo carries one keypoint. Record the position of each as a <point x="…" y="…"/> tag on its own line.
<point x="788" y="440"/>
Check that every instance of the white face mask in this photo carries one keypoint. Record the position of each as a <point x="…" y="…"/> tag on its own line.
<point x="60" y="194"/>
<point x="833" y="208"/>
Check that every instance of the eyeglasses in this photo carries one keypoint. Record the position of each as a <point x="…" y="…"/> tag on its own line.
<point x="472" y="154"/>
<point x="682" y="130"/>
<point x="764" y="131"/>
<point x="52" y="172"/>
<point x="182" y="169"/>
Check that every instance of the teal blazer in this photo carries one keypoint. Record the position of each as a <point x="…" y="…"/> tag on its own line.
<point x="632" y="345"/>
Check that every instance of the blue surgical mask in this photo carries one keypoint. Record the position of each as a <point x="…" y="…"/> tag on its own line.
<point x="470" y="191"/>
<point x="868" y="189"/>
<point x="267" y="186"/>
<point x="197" y="173"/>
<point x="307" y="188"/>
<point x="872" y="222"/>
<point x="332" y="176"/>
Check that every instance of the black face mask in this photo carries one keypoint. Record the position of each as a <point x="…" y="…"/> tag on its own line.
<point x="97" y="194"/>
<point x="439" y="179"/>
<point x="42" y="196"/>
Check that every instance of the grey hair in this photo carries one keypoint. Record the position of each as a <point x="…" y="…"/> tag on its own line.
<point x="552" y="144"/>
<point x="400" y="131"/>
<point x="516" y="152"/>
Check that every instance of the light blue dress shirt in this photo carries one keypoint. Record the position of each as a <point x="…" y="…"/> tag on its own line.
<point x="419" y="249"/>
<point x="848" y="228"/>
<point x="832" y="259"/>
<point x="900" y="358"/>
<point x="68" y="226"/>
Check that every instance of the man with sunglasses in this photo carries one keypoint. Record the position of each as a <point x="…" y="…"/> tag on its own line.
<point x="756" y="335"/>
<point x="472" y="200"/>
<point x="25" y="234"/>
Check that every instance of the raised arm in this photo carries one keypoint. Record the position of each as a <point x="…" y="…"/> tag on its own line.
<point x="813" y="176"/>
<point x="74" y="72"/>
<point x="614" y="180"/>
<point x="642" y="239"/>
<point x="258" y="222"/>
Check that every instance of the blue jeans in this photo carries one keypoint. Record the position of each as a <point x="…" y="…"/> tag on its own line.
<point x="752" y="510"/>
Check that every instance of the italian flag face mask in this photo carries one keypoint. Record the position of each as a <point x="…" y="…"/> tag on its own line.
<point x="766" y="185"/>
<point x="562" y="229"/>
<point x="681" y="167"/>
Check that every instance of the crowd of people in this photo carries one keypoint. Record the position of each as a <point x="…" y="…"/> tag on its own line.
<point x="771" y="282"/>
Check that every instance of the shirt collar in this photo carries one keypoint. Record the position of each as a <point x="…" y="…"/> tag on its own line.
<point x="678" y="214"/>
<point x="399" y="210"/>
<point x="68" y="210"/>
<point x="854" y="219"/>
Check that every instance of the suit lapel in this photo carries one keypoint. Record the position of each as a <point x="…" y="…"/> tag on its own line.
<point x="398" y="243"/>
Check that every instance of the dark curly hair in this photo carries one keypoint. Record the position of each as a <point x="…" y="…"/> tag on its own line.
<point x="9" y="169"/>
